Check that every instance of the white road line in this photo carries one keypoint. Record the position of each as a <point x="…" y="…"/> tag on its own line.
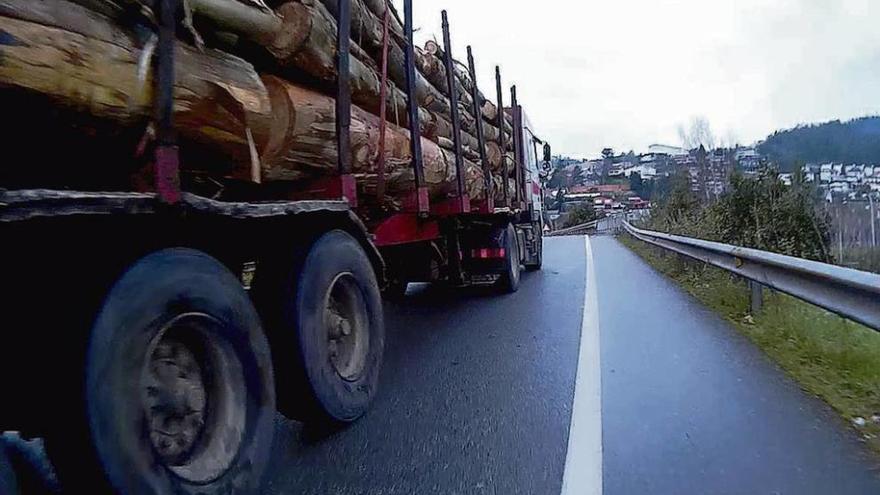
<point x="583" y="463"/>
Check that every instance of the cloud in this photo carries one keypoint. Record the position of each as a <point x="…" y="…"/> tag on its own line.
<point x="595" y="73"/>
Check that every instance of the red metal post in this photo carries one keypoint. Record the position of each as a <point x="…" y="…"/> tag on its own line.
<point x="383" y="97"/>
<point x="167" y="159"/>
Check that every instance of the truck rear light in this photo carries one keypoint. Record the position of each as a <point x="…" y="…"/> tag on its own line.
<point x="489" y="253"/>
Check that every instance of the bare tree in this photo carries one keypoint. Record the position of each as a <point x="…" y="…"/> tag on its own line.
<point x="698" y="133"/>
<point x="732" y="141"/>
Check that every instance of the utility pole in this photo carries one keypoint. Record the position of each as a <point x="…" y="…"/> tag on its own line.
<point x="840" y="234"/>
<point x="873" y="221"/>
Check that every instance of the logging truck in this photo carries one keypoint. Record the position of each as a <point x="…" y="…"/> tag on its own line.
<point x="150" y="333"/>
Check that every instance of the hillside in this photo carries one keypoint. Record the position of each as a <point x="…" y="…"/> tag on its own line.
<point x="855" y="141"/>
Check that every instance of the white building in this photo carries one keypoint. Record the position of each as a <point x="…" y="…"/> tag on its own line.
<point x="662" y="149"/>
<point x="644" y="170"/>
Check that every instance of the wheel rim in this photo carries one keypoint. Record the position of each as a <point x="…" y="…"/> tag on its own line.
<point x="347" y="327"/>
<point x="194" y="398"/>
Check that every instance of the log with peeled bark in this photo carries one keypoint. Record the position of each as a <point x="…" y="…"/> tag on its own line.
<point x="307" y="43"/>
<point x="431" y="63"/>
<point x="95" y="69"/>
<point x="433" y="51"/>
<point x="466" y="151"/>
<point x="367" y="31"/>
<point x="435" y="72"/>
<point x="302" y="144"/>
<point x="443" y="130"/>
<point x="378" y="8"/>
<point x="493" y="156"/>
<point x="490" y="111"/>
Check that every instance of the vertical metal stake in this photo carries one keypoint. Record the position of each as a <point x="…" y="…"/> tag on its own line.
<point x="383" y="104"/>
<point x="453" y="104"/>
<point x="481" y="140"/>
<point x="502" y="140"/>
<point x="343" y="88"/>
<point x="167" y="161"/>
<point x="412" y="104"/>
<point x="756" y="297"/>
<point x="517" y="146"/>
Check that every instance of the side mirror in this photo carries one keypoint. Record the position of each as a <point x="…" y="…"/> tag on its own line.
<point x="548" y="153"/>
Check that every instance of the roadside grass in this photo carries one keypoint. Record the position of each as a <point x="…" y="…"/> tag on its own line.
<point x="830" y="357"/>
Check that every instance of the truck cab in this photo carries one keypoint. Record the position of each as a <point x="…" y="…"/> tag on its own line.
<point x="535" y="164"/>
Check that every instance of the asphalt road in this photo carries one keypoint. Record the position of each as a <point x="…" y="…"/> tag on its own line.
<point x="691" y="406"/>
<point x="476" y="395"/>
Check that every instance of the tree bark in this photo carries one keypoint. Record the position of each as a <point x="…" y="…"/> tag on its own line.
<point x="92" y="67"/>
<point x="307" y="43"/>
<point x="303" y="145"/>
<point x="367" y="31"/>
<point x="378" y="7"/>
<point x="434" y="71"/>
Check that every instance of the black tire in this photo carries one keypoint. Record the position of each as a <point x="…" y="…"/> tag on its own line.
<point x="8" y="481"/>
<point x="326" y="286"/>
<point x="179" y="393"/>
<point x="509" y="281"/>
<point x="538" y="264"/>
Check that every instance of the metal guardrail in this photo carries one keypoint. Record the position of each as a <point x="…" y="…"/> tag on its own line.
<point x="576" y="230"/>
<point x="850" y="293"/>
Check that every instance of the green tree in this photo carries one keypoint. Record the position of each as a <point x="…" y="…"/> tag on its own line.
<point x="766" y="214"/>
<point x="636" y="184"/>
<point x="577" y="177"/>
<point x="583" y="213"/>
<point x="678" y="210"/>
<point x="761" y="213"/>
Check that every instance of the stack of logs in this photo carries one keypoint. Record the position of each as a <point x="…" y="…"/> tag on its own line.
<point x="254" y="81"/>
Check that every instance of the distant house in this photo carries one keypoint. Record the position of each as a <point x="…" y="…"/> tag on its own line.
<point x="786" y="179"/>
<point x="611" y="188"/>
<point x="646" y="171"/>
<point x="662" y="149"/>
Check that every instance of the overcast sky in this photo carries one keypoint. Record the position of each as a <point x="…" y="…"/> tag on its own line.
<point x="627" y="73"/>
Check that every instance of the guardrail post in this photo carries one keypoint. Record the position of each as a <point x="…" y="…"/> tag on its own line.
<point x="756" y="297"/>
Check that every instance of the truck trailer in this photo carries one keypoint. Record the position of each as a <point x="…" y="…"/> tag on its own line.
<point x="151" y="332"/>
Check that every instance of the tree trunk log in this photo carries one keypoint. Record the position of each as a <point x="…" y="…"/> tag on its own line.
<point x="92" y="67"/>
<point x="307" y="42"/>
<point x="435" y="72"/>
<point x="81" y="61"/>
<point x="303" y="144"/>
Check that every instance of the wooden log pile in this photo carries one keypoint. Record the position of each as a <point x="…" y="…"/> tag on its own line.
<point x="254" y="83"/>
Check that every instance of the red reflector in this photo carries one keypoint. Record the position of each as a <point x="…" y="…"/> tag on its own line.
<point x="488" y="253"/>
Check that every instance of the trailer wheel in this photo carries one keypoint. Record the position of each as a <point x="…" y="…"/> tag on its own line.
<point x="509" y="281"/>
<point x="329" y="336"/>
<point x="179" y="392"/>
